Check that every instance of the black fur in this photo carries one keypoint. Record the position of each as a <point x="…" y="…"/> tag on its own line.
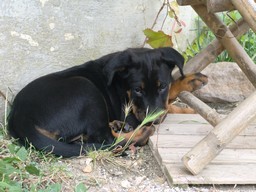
<point x="85" y="98"/>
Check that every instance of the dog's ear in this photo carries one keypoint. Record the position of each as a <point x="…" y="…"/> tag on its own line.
<point x="172" y="58"/>
<point x="119" y="62"/>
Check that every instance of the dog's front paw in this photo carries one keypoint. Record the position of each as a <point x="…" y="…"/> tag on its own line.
<point x="120" y="126"/>
<point x="194" y="81"/>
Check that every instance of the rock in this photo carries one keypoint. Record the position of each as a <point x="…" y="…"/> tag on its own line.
<point x="139" y="179"/>
<point x="87" y="169"/>
<point x="125" y="184"/>
<point x="227" y="83"/>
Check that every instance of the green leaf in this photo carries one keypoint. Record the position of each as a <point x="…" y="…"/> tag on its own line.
<point x="22" y="154"/>
<point x="158" y="39"/>
<point x="31" y="169"/>
<point x="152" y="117"/>
<point x="6" y="168"/>
<point x="80" y="188"/>
<point x="52" y="188"/>
<point x="12" y="148"/>
<point x="11" y="159"/>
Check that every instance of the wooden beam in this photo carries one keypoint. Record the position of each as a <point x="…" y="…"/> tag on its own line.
<point x="209" y="147"/>
<point x="228" y="41"/>
<point x="248" y="10"/>
<point x="190" y="2"/>
<point x="209" y="54"/>
<point x="200" y="107"/>
<point x="214" y="6"/>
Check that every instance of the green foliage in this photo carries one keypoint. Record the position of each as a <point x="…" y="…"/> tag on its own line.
<point x="158" y="39"/>
<point x="80" y="188"/>
<point x="205" y="36"/>
<point x="24" y="169"/>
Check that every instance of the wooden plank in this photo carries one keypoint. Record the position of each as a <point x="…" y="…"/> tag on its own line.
<point x="184" y="129"/>
<point x="187" y="118"/>
<point x="188" y="141"/>
<point x="227" y="156"/>
<point x="190" y="2"/>
<point x="212" y="174"/>
<point x="196" y="129"/>
<point x="184" y="118"/>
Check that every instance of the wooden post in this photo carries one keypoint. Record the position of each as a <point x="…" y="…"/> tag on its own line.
<point x="190" y="2"/>
<point x="208" y="148"/>
<point x="214" y="6"/>
<point x="228" y="40"/>
<point x="208" y="54"/>
<point x="248" y="10"/>
<point x="204" y="110"/>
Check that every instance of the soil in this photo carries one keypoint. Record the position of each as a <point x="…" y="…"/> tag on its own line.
<point x="133" y="173"/>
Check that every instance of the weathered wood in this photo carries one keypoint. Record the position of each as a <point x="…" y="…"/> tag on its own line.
<point x="187" y="119"/>
<point x="214" y="6"/>
<point x="200" y="107"/>
<point x="209" y="54"/>
<point x="247" y="8"/>
<point x="179" y="132"/>
<point x="208" y="148"/>
<point x="228" y="40"/>
<point x="227" y="156"/>
<point x="188" y="141"/>
<point x="190" y="2"/>
<point x="183" y="119"/>
<point x="214" y="174"/>
<point x="198" y="129"/>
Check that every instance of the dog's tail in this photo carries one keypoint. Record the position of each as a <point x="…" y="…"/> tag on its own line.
<point x="59" y="148"/>
<point x="30" y="135"/>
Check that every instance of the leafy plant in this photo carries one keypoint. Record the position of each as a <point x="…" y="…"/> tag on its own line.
<point x="159" y="38"/>
<point x="205" y="36"/>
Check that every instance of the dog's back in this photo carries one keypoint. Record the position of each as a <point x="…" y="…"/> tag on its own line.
<point x="46" y="108"/>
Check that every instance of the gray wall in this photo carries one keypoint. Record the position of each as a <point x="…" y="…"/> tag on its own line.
<point x="42" y="36"/>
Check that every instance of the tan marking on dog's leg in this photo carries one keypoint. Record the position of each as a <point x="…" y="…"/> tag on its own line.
<point x="175" y="109"/>
<point x="51" y="135"/>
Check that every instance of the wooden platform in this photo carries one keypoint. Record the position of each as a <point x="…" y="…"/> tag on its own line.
<point x="236" y="164"/>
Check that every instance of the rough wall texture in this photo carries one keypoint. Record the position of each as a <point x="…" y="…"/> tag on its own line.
<point x="42" y="36"/>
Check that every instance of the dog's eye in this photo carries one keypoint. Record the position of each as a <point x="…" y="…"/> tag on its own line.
<point x="138" y="90"/>
<point x="162" y="86"/>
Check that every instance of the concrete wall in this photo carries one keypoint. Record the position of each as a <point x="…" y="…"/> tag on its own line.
<point x="41" y="36"/>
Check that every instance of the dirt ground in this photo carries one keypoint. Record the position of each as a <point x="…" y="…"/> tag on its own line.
<point x="134" y="173"/>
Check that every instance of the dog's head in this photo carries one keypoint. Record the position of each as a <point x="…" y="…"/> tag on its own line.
<point x="145" y="75"/>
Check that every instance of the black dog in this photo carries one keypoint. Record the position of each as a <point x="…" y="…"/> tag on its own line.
<point x="55" y="111"/>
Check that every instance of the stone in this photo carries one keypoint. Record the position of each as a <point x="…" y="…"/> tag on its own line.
<point x="227" y="83"/>
<point x="125" y="184"/>
<point x="87" y="169"/>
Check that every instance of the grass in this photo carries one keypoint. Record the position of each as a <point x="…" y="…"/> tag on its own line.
<point x="26" y="169"/>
